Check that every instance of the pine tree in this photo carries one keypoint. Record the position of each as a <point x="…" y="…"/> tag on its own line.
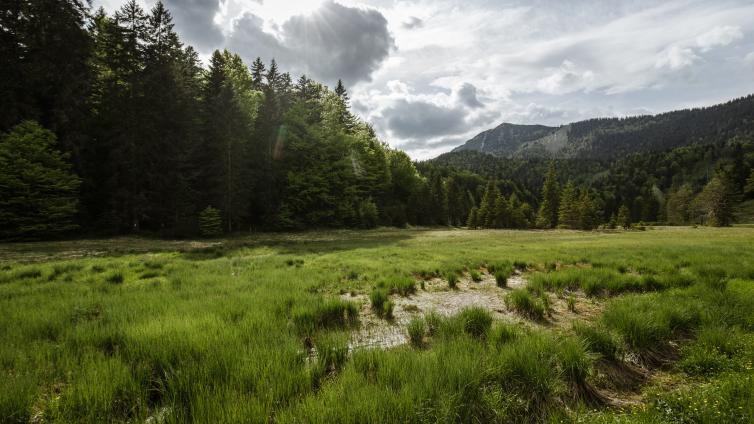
<point x="624" y="218"/>
<point x="439" y="206"/>
<point x="473" y="220"/>
<point x="210" y="222"/>
<point x="340" y="90"/>
<point x="38" y="191"/>
<point x="486" y="212"/>
<point x="548" y="210"/>
<point x="587" y="212"/>
<point x="568" y="212"/>
<point x="258" y="71"/>
<point x="502" y="213"/>
<point x="749" y="187"/>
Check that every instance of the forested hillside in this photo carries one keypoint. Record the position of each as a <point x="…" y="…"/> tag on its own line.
<point x="673" y="186"/>
<point x="613" y="138"/>
<point x="148" y="140"/>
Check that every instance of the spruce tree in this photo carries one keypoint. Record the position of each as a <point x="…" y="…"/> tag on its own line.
<point x="210" y="222"/>
<point x="473" y="220"/>
<point x="258" y="71"/>
<point x="587" y="212"/>
<point x="548" y="210"/>
<point x="38" y="191"/>
<point x="568" y="212"/>
<point x="486" y="212"/>
<point x="624" y="217"/>
<point x="749" y="187"/>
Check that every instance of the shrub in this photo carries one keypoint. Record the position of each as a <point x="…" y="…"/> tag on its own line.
<point x="476" y="321"/>
<point x="475" y="276"/>
<point x="521" y="301"/>
<point x="416" y="329"/>
<point x="210" y="222"/>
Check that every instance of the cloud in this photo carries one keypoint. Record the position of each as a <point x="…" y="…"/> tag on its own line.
<point x="467" y="95"/>
<point x="718" y="36"/>
<point x="412" y="23"/>
<point x="415" y="119"/>
<point x="335" y="42"/>
<point x="426" y="145"/>
<point x="195" y="21"/>
<point x="565" y="79"/>
<point x="749" y="58"/>
<point x="676" y="57"/>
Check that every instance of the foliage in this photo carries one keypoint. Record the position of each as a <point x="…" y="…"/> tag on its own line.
<point x="38" y="191"/>
<point x="210" y="222"/>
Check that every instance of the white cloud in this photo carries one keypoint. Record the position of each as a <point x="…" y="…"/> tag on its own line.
<point x="719" y="36"/>
<point x="566" y="79"/>
<point x="676" y="57"/>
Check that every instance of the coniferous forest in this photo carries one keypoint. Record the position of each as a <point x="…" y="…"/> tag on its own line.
<point x="111" y="125"/>
<point x="127" y="132"/>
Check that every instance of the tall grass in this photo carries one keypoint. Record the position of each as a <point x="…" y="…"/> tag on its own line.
<point x="233" y="334"/>
<point x="523" y="302"/>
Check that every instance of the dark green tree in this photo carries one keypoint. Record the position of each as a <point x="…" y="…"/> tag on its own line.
<point x="38" y="191"/>
<point x="623" y="219"/>
<point x="568" y="212"/>
<point x="473" y="221"/>
<point x="549" y="208"/>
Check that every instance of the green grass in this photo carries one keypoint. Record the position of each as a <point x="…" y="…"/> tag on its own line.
<point x="523" y="302"/>
<point x="258" y="329"/>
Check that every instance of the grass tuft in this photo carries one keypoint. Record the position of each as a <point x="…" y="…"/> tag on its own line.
<point x="521" y="301"/>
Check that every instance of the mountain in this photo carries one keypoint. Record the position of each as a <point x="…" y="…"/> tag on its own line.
<point x="612" y="138"/>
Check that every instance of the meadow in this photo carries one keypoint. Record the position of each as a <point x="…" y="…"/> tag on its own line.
<point x="547" y="326"/>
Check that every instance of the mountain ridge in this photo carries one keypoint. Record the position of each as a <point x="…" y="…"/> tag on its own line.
<point x="610" y="138"/>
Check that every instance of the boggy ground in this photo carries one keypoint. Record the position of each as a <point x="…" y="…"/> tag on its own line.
<point x="652" y="326"/>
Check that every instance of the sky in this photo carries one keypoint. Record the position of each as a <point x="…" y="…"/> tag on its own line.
<point x="430" y="74"/>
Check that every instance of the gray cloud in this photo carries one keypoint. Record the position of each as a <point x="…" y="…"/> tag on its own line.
<point x="467" y="95"/>
<point x="421" y="144"/>
<point x="421" y="119"/>
<point x="412" y="23"/>
<point x="194" y="20"/>
<point x="334" y="42"/>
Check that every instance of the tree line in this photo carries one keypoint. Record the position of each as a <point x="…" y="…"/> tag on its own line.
<point x="110" y="124"/>
<point x="113" y="125"/>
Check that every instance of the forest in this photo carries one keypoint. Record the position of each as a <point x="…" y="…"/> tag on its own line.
<point x="111" y="125"/>
<point x="134" y="135"/>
